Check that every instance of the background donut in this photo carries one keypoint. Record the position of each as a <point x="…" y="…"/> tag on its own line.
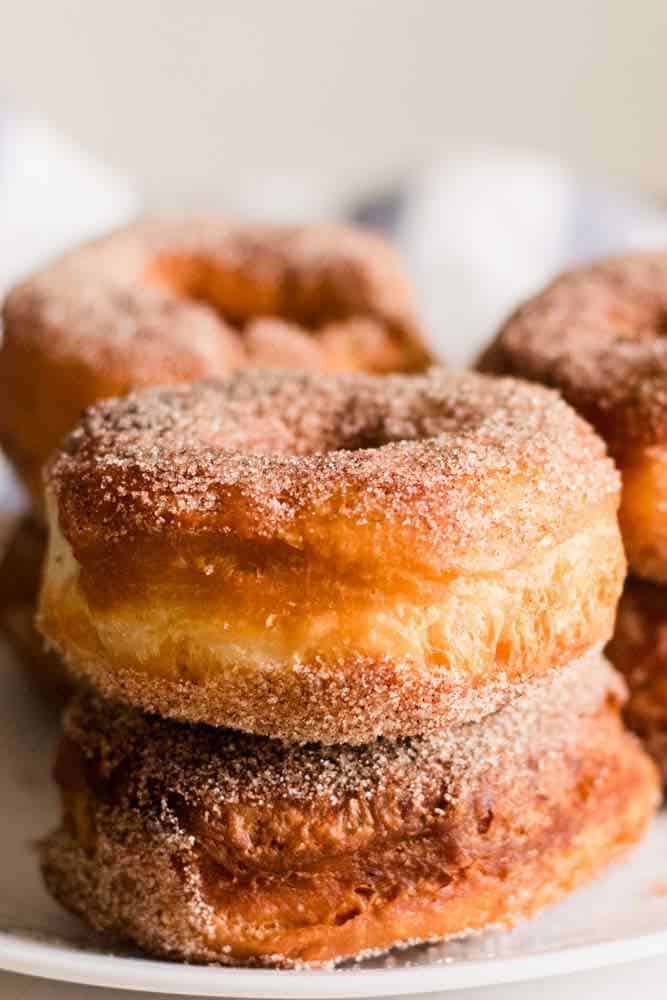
<point x="165" y="302"/>
<point x="598" y="334"/>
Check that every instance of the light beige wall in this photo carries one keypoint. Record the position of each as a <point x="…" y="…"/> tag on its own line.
<point x="196" y="96"/>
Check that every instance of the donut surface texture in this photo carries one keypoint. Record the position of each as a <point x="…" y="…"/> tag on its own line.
<point x="164" y="302"/>
<point x="639" y="651"/>
<point x="599" y="335"/>
<point x="211" y="846"/>
<point x="330" y="558"/>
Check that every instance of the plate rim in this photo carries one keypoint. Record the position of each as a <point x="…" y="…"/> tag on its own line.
<point x="94" y="968"/>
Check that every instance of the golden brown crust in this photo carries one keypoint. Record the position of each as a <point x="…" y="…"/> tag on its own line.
<point x="598" y="335"/>
<point x="639" y="651"/>
<point x="443" y="471"/>
<point x="202" y="844"/>
<point x="163" y="302"/>
<point x="330" y="558"/>
<point x="20" y="576"/>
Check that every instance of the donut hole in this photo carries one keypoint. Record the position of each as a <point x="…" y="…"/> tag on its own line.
<point x="240" y="293"/>
<point x="370" y="438"/>
<point x="360" y="415"/>
<point x="354" y="439"/>
<point x="283" y="316"/>
<point x="342" y="416"/>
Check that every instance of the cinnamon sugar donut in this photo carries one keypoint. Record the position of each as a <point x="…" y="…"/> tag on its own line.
<point x="211" y="846"/>
<point x="164" y="302"/>
<point x="598" y="335"/>
<point x="639" y="651"/>
<point x="331" y="558"/>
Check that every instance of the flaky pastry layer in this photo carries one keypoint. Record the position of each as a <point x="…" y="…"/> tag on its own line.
<point x="299" y="658"/>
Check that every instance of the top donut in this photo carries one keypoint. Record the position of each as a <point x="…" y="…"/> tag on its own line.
<point x="451" y="471"/>
<point x="330" y="557"/>
<point x="598" y="334"/>
<point x="165" y="302"/>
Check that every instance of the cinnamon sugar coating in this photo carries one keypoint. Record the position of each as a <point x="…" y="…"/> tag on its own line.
<point x="164" y="302"/>
<point x="598" y="335"/>
<point x="209" y="845"/>
<point x="330" y="558"/>
<point x="481" y="469"/>
<point x="639" y="651"/>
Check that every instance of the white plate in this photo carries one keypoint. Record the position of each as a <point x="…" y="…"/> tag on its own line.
<point x="620" y="918"/>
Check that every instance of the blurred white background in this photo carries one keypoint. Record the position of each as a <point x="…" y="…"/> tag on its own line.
<point x="195" y="99"/>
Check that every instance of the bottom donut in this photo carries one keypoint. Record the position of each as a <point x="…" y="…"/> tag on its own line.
<point x="639" y="651"/>
<point x="211" y="846"/>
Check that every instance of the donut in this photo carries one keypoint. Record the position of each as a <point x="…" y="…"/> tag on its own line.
<point x="598" y="335"/>
<point x="330" y="558"/>
<point x="212" y="846"/>
<point x="20" y="573"/>
<point x="161" y="302"/>
<point x="639" y="651"/>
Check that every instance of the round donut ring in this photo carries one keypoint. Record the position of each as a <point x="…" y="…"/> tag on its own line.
<point x="211" y="846"/>
<point x="158" y="303"/>
<point x="599" y="335"/>
<point x="331" y="558"/>
<point x="639" y="651"/>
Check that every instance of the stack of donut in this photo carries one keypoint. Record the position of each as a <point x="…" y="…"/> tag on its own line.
<point x="599" y="335"/>
<point x="341" y="636"/>
<point x="337" y="639"/>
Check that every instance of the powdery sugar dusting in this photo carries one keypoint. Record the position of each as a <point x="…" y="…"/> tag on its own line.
<point x="598" y="334"/>
<point x="354" y="701"/>
<point x="479" y="463"/>
<point x="216" y="766"/>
